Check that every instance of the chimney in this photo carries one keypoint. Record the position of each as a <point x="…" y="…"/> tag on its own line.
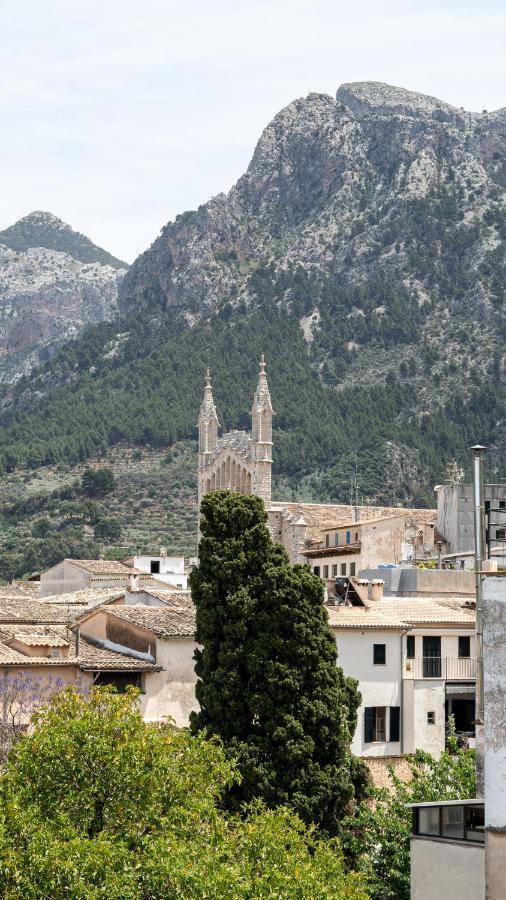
<point x="133" y="583"/>
<point x="377" y="587"/>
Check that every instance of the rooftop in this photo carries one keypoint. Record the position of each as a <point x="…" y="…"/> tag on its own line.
<point x="400" y="612"/>
<point x="164" y="621"/>
<point x="320" y="516"/>
<point x="22" y="611"/>
<point x="104" y="567"/>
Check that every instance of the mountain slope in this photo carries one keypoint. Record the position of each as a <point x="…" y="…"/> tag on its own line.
<point x="364" y="252"/>
<point x="53" y="282"/>
<point x="42" y="229"/>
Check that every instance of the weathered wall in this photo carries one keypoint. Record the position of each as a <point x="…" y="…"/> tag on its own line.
<point x="494" y="663"/>
<point x="171" y="692"/>
<point x="446" y="870"/>
<point x="62" y="579"/>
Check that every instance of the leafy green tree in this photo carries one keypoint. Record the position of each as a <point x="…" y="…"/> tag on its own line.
<point x="97" y="482"/>
<point x="96" y="804"/>
<point x="108" y="529"/>
<point x="268" y="684"/>
<point x="42" y="527"/>
<point x="377" y="837"/>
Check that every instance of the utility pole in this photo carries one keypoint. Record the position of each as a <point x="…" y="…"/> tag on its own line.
<point x="479" y="549"/>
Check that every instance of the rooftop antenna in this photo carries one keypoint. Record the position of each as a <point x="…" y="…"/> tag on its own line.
<point x="479" y="547"/>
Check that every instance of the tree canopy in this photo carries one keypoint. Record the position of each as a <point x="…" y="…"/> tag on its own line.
<point x="268" y="683"/>
<point x="96" y="803"/>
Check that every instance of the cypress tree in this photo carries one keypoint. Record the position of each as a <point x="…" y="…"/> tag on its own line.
<point x="268" y="683"/>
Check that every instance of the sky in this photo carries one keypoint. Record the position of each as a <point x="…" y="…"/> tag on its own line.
<point x="119" y="114"/>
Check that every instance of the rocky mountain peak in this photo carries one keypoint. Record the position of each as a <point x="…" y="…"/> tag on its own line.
<point x="43" y="229"/>
<point x="366" y="98"/>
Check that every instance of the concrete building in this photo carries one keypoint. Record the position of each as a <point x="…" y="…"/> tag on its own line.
<point x="447" y="851"/>
<point x="455" y="523"/>
<point x="415" y="660"/>
<point x="409" y="581"/>
<point x="348" y="547"/>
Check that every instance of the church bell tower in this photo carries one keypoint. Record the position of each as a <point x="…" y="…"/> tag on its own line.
<point x="261" y="438"/>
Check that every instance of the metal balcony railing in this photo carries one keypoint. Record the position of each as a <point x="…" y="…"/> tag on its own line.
<point x="449" y="668"/>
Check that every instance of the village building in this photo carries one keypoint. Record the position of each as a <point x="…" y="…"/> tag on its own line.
<point x="169" y="570"/>
<point x="163" y="634"/>
<point x="348" y="547"/>
<point x="71" y="575"/>
<point x="415" y="660"/>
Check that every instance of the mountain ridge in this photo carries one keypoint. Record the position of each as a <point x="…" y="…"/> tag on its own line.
<point x="364" y="253"/>
<point x="43" y="229"/>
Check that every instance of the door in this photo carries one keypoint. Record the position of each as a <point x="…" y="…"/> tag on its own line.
<point x="432" y="657"/>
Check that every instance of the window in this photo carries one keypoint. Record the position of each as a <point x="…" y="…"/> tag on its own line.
<point x="428" y="820"/>
<point x="410" y="646"/>
<point x="55" y="653"/>
<point x="352" y="568"/>
<point x="502" y="504"/>
<point x="500" y="534"/>
<point x="394" y="722"/>
<point x="325" y="572"/>
<point x="431" y="718"/>
<point x="348" y="537"/>
<point x="327" y="540"/>
<point x="464" y="646"/>
<point x="337" y="539"/>
<point x="334" y="571"/>
<point x="379" y="654"/>
<point x="316" y="570"/>
<point x="119" y="680"/>
<point x="375" y="718"/>
<point x="453" y="821"/>
<point x="155" y="566"/>
<point x="343" y="568"/>
<point x="356" y="537"/>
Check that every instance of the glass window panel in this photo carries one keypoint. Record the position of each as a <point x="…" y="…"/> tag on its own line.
<point x="381" y="723"/>
<point x="428" y="820"/>
<point x="475" y="823"/>
<point x="453" y="822"/>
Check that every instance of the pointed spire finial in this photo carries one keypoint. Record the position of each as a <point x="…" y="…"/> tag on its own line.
<point x="208" y="377"/>
<point x="262" y="365"/>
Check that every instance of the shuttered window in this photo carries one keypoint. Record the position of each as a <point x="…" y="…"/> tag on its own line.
<point x="394" y="723"/>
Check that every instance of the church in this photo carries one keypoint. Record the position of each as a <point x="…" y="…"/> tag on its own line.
<point x="242" y="461"/>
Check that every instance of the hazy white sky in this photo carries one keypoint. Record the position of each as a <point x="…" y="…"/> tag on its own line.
<point x="118" y="114"/>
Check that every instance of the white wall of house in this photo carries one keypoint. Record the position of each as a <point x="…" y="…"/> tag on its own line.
<point x="171" y="568"/>
<point x="171" y="692"/>
<point x="379" y="684"/>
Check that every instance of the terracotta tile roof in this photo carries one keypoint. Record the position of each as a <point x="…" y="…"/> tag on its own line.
<point x="91" y="658"/>
<point x="398" y="612"/>
<point x="170" y="597"/>
<point x="87" y="597"/>
<point x="17" y="609"/>
<point x="104" y="567"/>
<point x="164" y="621"/>
<point x="34" y="635"/>
<point x="320" y="516"/>
<point x="20" y="588"/>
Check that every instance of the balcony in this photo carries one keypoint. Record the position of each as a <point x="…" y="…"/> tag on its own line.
<point x="443" y="668"/>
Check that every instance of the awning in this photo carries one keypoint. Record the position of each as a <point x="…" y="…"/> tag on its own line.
<point x="460" y="689"/>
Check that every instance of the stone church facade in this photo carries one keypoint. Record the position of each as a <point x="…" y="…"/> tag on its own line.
<point x="241" y="461"/>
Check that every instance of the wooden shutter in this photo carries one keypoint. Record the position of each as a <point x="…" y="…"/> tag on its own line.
<point x="369" y="724"/>
<point x="394" y="723"/>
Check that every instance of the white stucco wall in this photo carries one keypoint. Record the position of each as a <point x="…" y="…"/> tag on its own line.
<point x="379" y="685"/>
<point x="494" y="663"/>
<point x="446" y="870"/>
<point x="429" y="696"/>
<point x="171" y="692"/>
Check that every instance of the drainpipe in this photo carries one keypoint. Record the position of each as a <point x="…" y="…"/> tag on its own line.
<point x="401" y="715"/>
<point x="78" y="640"/>
<point x="479" y="528"/>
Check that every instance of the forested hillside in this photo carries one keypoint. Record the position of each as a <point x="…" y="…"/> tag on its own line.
<point x="364" y="253"/>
